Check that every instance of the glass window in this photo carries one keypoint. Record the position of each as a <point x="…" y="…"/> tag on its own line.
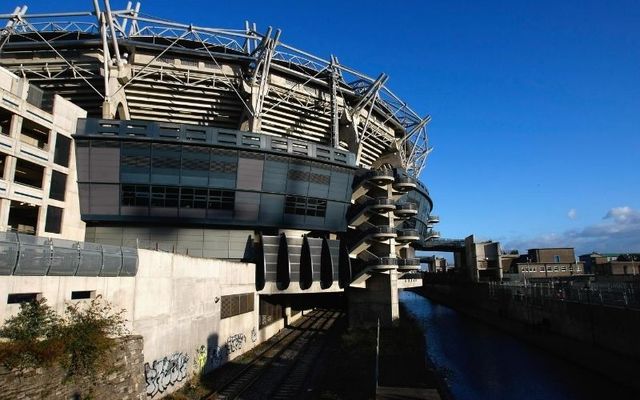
<point x="164" y="196"/>
<point x="58" y="185"/>
<point x="63" y="147"/>
<point x="53" y="223"/>
<point x="300" y="205"/>
<point x="193" y="198"/>
<point x="221" y="199"/>
<point x="135" y="195"/>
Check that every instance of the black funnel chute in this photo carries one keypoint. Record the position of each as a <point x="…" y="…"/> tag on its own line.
<point x="306" y="265"/>
<point x="326" y="266"/>
<point x="344" y="271"/>
<point x="283" y="268"/>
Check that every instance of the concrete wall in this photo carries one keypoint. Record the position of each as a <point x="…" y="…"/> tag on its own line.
<point x="174" y="303"/>
<point x="409" y="283"/>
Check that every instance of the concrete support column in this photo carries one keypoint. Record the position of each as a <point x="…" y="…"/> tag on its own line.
<point x="287" y="315"/>
<point x="4" y="214"/>
<point x="379" y="299"/>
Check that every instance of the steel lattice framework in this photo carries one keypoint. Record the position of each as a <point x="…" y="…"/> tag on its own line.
<point x="379" y="120"/>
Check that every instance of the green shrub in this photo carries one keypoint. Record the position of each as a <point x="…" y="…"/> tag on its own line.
<point x="89" y="333"/>
<point x="33" y="336"/>
<point x="81" y="341"/>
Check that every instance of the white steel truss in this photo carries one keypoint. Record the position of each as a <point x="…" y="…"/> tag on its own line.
<point x="264" y="51"/>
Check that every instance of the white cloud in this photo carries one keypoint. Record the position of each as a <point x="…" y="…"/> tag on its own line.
<point x="572" y="214"/>
<point x="622" y="213"/>
<point x="619" y="231"/>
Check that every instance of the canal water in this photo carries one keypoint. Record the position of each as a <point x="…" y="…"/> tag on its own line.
<point x="480" y="362"/>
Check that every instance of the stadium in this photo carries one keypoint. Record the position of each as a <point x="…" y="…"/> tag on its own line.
<point x="224" y="163"/>
<point x="180" y="118"/>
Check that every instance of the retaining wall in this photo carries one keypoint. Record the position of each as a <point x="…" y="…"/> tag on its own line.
<point x="125" y="381"/>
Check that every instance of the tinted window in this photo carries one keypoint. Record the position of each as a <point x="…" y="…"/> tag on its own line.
<point x="54" y="219"/>
<point x="58" y="185"/>
<point x="63" y="147"/>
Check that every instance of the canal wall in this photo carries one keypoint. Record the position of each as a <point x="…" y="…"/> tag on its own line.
<point x="600" y="338"/>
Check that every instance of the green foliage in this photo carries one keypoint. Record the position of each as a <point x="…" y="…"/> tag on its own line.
<point x="89" y="332"/>
<point x="33" y="336"/>
<point x="35" y="321"/>
<point x="81" y="341"/>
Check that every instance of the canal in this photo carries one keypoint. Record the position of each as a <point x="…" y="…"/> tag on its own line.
<point x="480" y="362"/>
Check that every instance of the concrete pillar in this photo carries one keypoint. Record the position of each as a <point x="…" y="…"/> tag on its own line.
<point x="287" y="315"/>
<point x="4" y="214"/>
<point x="379" y="299"/>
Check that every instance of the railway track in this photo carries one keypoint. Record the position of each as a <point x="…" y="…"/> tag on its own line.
<point x="279" y="371"/>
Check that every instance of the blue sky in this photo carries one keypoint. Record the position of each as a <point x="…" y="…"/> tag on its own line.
<point x="535" y="105"/>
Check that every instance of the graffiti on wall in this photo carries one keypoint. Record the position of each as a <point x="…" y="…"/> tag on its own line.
<point x="165" y="372"/>
<point x="213" y="357"/>
<point x="254" y="335"/>
<point x="236" y="342"/>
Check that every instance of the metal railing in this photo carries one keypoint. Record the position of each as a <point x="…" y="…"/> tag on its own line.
<point x="409" y="262"/>
<point x="383" y="261"/>
<point x="407" y="207"/>
<point x="622" y="294"/>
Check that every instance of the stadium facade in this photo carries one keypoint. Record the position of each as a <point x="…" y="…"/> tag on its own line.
<point x="212" y="143"/>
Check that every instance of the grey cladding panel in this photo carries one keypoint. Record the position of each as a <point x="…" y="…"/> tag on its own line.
<point x="293" y="220"/>
<point x="314" y="222"/>
<point x="111" y="260"/>
<point x="105" y="164"/>
<point x="315" y="246"/>
<point x="319" y="182"/>
<point x="298" y="179"/>
<point x="104" y="199"/>
<point x="249" y="174"/>
<point x="271" y="209"/>
<point x="335" y="215"/>
<point x="35" y="256"/>
<point x="65" y="259"/>
<point x="8" y="252"/>
<point x="334" y="248"/>
<point x="238" y="241"/>
<point x="216" y="244"/>
<point x="223" y="169"/>
<point x="340" y="188"/>
<point x="275" y="175"/>
<point x="247" y="206"/>
<point x="82" y="160"/>
<point x="295" y="248"/>
<point x="129" y="262"/>
<point x="135" y="162"/>
<point x="109" y="235"/>
<point x="270" y="248"/>
<point x="85" y="199"/>
<point x="165" y="164"/>
<point x="195" y="166"/>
